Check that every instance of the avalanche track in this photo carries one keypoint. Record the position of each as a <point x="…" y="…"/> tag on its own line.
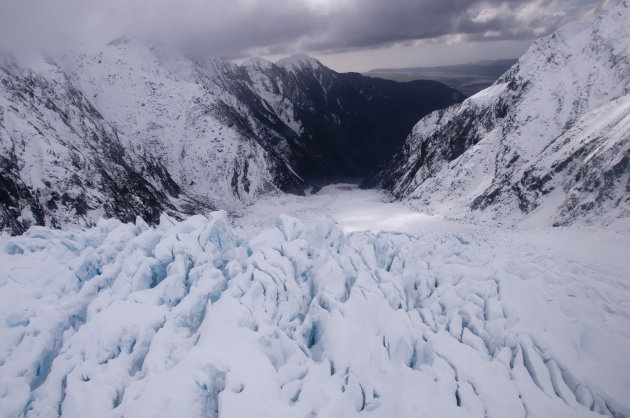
<point x="314" y="317"/>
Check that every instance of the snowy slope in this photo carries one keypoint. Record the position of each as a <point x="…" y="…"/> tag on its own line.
<point x="196" y="319"/>
<point x="229" y="133"/>
<point x="160" y="104"/>
<point x="120" y="134"/>
<point x="549" y="141"/>
<point x="62" y="163"/>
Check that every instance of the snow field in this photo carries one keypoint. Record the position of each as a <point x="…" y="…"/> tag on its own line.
<point x="197" y="318"/>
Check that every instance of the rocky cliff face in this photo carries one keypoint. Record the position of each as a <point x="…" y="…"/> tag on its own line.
<point x="548" y="142"/>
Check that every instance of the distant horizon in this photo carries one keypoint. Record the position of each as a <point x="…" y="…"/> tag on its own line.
<point x="323" y="60"/>
<point x="443" y="66"/>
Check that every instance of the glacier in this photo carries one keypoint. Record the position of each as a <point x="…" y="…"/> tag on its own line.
<point x="233" y="316"/>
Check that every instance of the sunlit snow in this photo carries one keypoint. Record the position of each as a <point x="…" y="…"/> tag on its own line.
<point x="354" y="209"/>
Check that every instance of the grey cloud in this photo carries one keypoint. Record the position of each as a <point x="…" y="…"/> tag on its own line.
<point x="235" y="28"/>
<point x="379" y="23"/>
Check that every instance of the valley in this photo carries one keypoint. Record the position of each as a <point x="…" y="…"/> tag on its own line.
<point x="180" y="135"/>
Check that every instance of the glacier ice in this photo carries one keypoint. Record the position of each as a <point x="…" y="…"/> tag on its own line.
<point x="197" y="318"/>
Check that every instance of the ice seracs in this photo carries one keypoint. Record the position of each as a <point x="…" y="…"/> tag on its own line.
<point x="196" y="318"/>
<point x="218" y="316"/>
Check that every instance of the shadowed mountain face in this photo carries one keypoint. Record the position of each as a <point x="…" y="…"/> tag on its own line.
<point x="336" y="125"/>
<point x="366" y="120"/>
<point x="137" y="131"/>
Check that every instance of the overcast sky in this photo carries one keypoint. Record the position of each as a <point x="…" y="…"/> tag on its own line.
<point x="347" y="35"/>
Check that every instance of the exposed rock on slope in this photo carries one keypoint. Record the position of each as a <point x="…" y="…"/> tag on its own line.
<point x="549" y="141"/>
<point x="256" y="126"/>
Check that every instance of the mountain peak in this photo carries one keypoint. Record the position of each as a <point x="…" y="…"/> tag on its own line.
<point x="257" y="62"/>
<point x="298" y="61"/>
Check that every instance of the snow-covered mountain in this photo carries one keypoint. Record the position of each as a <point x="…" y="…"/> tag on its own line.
<point x="135" y="129"/>
<point x="228" y="133"/>
<point x="180" y="112"/>
<point x="63" y="164"/>
<point x="214" y="316"/>
<point x="548" y="142"/>
<point x="268" y="315"/>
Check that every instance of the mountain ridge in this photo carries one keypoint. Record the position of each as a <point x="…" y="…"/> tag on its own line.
<point x="540" y="145"/>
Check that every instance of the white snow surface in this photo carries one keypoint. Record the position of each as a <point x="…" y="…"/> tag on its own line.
<point x="353" y="306"/>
